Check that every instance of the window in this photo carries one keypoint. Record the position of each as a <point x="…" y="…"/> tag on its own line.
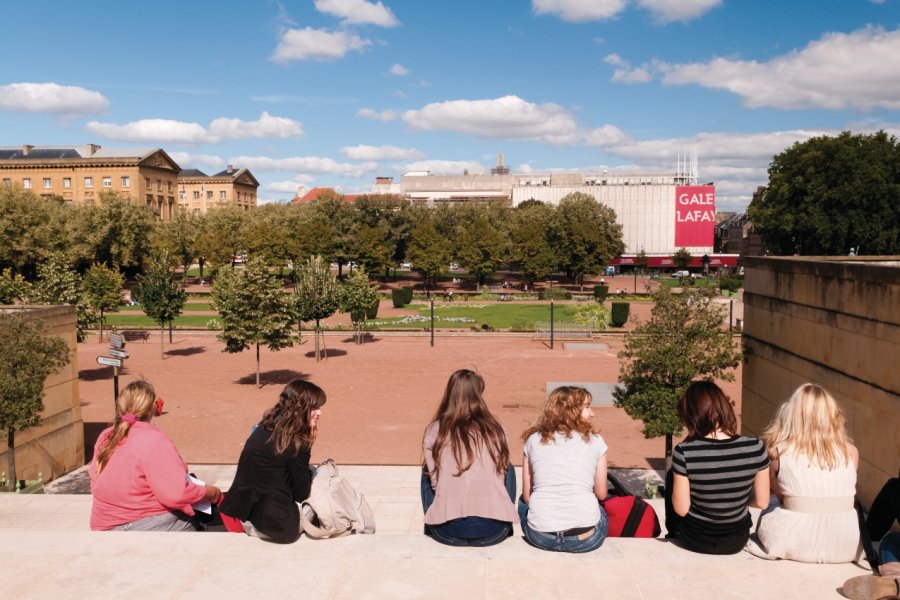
<point x="147" y="182"/>
<point x="181" y="195"/>
<point x="209" y="195"/>
<point x="223" y="195"/>
<point x="67" y="182"/>
<point x="159" y="184"/>
<point x="196" y="195"/>
<point x="47" y="183"/>
<point x="88" y="182"/>
<point x="169" y="183"/>
<point x="26" y="183"/>
<point x="126" y="181"/>
<point x="7" y="183"/>
<point x="107" y="182"/>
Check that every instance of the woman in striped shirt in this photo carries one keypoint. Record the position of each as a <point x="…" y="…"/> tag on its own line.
<point x="715" y="474"/>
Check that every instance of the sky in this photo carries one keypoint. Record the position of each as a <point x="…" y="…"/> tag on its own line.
<point x="336" y="92"/>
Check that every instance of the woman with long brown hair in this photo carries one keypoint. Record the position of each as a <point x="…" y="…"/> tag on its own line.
<point x="273" y="473"/>
<point x="468" y="484"/>
<point x="564" y="476"/>
<point x="138" y="480"/>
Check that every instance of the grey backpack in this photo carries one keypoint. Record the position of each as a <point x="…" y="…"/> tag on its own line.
<point x="334" y="507"/>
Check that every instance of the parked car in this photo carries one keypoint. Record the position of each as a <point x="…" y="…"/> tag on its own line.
<point x="684" y="273"/>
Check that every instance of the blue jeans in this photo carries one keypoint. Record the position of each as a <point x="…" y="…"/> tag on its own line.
<point x="558" y="541"/>
<point x="436" y="532"/>
<point x="889" y="549"/>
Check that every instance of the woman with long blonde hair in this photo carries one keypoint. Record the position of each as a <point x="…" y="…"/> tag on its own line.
<point x="468" y="484"/>
<point x="564" y="476"/>
<point x="813" y="479"/>
<point x="138" y="480"/>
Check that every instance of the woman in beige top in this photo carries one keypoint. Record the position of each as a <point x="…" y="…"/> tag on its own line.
<point x="813" y="478"/>
<point x="468" y="483"/>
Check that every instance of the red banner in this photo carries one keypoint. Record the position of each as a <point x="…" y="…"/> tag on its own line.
<point x="695" y="215"/>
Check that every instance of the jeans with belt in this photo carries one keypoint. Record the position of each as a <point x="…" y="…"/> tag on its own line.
<point x="573" y="540"/>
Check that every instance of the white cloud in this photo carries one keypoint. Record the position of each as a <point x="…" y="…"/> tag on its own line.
<point x="316" y="44"/>
<point x="378" y="153"/>
<point x="159" y="131"/>
<point x="376" y="115"/>
<point x="52" y="98"/>
<point x="266" y="126"/>
<point x="304" y="164"/>
<point x="508" y="117"/>
<point x="624" y="73"/>
<point x="837" y="71"/>
<point x="284" y="187"/>
<point x="153" y="131"/>
<point x="607" y="135"/>
<point x="667" y="11"/>
<point x="358" y="12"/>
<point x="579" y="10"/>
<point x="187" y="160"/>
<point x="398" y="70"/>
<point x="445" y="167"/>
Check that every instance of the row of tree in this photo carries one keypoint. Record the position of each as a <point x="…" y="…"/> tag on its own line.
<point x="578" y="237"/>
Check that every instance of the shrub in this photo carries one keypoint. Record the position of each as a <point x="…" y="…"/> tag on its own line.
<point x="521" y="325"/>
<point x="408" y="293"/>
<point x="620" y="312"/>
<point x="372" y="312"/>
<point x="214" y="324"/>
<point x="731" y="284"/>
<point x="555" y="294"/>
<point x="600" y="292"/>
<point x="398" y="297"/>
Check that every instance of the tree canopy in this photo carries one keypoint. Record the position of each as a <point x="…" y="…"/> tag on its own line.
<point x="587" y="235"/>
<point x="103" y="290"/>
<point x="357" y="297"/>
<point x="161" y="294"/>
<point x="683" y="340"/>
<point x="29" y="355"/>
<point x="317" y="294"/>
<point x="831" y="194"/>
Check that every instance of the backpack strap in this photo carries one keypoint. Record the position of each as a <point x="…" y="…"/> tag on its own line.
<point x="638" y="508"/>
<point x="314" y="531"/>
<point x="871" y="555"/>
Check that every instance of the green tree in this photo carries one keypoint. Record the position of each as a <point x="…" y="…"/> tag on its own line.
<point x="267" y="235"/>
<point x="682" y="258"/>
<point x="58" y="283"/>
<point x="178" y="236"/>
<point x="587" y="235"/>
<point x="530" y="236"/>
<point x="357" y="297"/>
<point x="254" y="310"/>
<point x="831" y="194"/>
<point x="480" y="247"/>
<point x="161" y="294"/>
<point x="641" y="260"/>
<point x="13" y="288"/>
<point x="683" y="340"/>
<point x="317" y="296"/>
<point x="370" y="247"/>
<point x="332" y="229"/>
<point x="117" y="232"/>
<point x="29" y="356"/>
<point x="222" y="236"/>
<point x="27" y="232"/>
<point x="429" y="252"/>
<point x="103" y="290"/>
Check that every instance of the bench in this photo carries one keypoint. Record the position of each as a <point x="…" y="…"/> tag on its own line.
<point x="133" y="335"/>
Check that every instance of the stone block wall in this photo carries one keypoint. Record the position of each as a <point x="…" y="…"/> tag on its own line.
<point x="56" y="446"/>
<point x="833" y="321"/>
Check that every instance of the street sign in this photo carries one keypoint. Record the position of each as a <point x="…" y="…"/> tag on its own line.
<point x="116" y="340"/>
<point x="112" y="362"/>
<point x="118" y="353"/>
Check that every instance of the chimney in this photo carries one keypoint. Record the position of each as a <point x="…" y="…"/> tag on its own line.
<point x="26" y="149"/>
<point x="230" y="169"/>
<point x="384" y="180"/>
<point x="92" y="149"/>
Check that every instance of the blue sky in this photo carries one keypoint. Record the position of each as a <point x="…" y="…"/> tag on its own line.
<point x="335" y="92"/>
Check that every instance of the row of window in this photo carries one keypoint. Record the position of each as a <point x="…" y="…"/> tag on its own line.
<point x="67" y="182"/>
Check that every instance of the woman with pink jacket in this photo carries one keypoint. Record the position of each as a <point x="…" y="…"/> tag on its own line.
<point x="138" y="480"/>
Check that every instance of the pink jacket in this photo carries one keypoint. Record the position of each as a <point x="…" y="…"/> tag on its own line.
<point x="145" y="476"/>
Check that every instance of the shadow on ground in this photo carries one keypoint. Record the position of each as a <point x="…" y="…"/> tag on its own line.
<point x="277" y="376"/>
<point x="367" y="338"/>
<point x="95" y="374"/>
<point x="186" y="351"/>
<point x="92" y="431"/>
<point x="328" y="353"/>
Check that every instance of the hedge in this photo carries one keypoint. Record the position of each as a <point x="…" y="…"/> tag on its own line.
<point x="619" y="313"/>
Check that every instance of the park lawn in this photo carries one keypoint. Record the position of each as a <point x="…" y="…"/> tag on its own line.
<point x="700" y="282"/>
<point x="141" y="320"/>
<point x="498" y="316"/>
<point x="189" y="307"/>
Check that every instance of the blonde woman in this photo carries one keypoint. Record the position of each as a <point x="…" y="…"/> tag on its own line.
<point x="564" y="476"/>
<point x="813" y="479"/>
<point x="138" y="480"/>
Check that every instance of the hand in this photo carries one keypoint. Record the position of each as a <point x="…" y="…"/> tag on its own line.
<point x="213" y="494"/>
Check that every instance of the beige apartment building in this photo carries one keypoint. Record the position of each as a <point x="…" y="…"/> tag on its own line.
<point x="79" y="174"/>
<point x="198" y="192"/>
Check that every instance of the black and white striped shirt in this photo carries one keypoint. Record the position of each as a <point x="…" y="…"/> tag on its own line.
<point x="720" y="474"/>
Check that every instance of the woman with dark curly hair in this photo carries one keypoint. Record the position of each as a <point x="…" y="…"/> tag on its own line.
<point x="564" y="476"/>
<point x="273" y="473"/>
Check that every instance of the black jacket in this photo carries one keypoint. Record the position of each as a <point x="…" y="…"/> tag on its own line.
<point x="266" y="487"/>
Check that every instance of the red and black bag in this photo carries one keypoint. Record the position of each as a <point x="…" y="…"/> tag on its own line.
<point x="629" y="516"/>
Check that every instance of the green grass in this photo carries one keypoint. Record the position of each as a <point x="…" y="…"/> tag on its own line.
<point x="141" y="320"/>
<point x="498" y="316"/>
<point x="189" y="307"/>
<point x="699" y="282"/>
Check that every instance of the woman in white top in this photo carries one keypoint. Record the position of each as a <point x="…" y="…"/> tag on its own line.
<point x="811" y="517"/>
<point x="564" y="476"/>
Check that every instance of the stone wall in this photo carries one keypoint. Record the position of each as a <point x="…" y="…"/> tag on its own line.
<point x="834" y="321"/>
<point x="56" y="446"/>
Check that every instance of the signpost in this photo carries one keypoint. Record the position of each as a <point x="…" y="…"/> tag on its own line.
<point x="116" y="361"/>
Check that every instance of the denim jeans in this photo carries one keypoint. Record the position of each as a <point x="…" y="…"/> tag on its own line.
<point x="557" y="541"/>
<point x="509" y="482"/>
<point x="889" y="549"/>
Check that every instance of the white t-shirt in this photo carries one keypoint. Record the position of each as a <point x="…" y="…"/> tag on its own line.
<point x="562" y="481"/>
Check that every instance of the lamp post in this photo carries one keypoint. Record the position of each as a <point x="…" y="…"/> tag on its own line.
<point x="432" y="322"/>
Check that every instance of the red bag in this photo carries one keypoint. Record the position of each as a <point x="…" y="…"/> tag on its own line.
<point x="630" y="516"/>
<point x="159" y="406"/>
